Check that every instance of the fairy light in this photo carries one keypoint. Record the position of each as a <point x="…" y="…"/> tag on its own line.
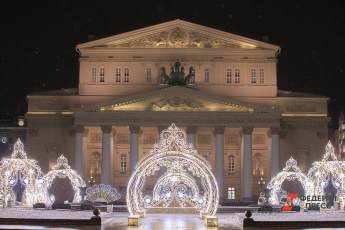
<point x="291" y="172"/>
<point x="63" y="170"/>
<point x="19" y="167"/>
<point x="178" y="185"/>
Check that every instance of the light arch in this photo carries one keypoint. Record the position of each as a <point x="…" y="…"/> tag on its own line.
<point x="291" y="172"/>
<point x="178" y="157"/>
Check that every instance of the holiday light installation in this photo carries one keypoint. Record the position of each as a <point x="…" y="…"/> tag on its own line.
<point x="102" y="193"/>
<point x="63" y="170"/>
<point x="291" y="172"/>
<point x="20" y="169"/>
<point x="184" y="171"/>
<point x="328" y="170"/>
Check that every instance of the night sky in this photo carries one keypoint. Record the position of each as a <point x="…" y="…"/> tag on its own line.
<point x="37" y="48"/>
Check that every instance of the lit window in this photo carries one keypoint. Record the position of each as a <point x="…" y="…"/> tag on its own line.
<point x="231" y="166"/>
<point x="117" y="75"/>
<point x="261" y="76"/>
<point x="101" y="74"/>
<point x="207" y="76"/>
<point x="148" y="74"/>
<point x="237" y="76"/>
<point x="123" y="164"/>
<point x="93" y="74"/>
<point x="228" y="76"/>
<point x="231" y="193"/>
<point x="253" y="76"/>
<point x="126" y="75"/>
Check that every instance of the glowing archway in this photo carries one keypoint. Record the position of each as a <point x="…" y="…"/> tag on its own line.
<point x="63" y="170"/>
<point x="188" y="177"/>
<point x="329" y="169"/>
<point x="291" y="172"/>
<point x="20" y="169"/>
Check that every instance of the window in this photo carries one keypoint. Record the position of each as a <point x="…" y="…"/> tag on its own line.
<point x="148" y="74"/>
<point x="253" y="76"/>
<point x="126" y="75"/>
<point x="123" y="164"/>
<point x="93" y="74"/>
<point x="228" y="76"/>
<point x="231" y="166"/>
<point x="117" y="75"/>
<point x="261" y="76"/>
<point x="207" y="76"/>
<point x="231" y="193"/>
<point x="101" y="74"/>
<point x="237" y="76"/>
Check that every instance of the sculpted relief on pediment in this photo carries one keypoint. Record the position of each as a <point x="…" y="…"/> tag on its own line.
<point x="176" y="104"/>
<point x="175" y="38"/>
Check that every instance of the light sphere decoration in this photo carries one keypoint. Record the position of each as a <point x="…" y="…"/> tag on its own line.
<point x="185" y="177"/>
<point x="329" y="169"/>
<point x="20" y="169"/>
<point x="291" y="172"/>
<point x="63" y="170"/>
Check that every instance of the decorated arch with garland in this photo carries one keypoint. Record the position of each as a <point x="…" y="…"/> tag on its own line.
<point x="291" y="172"/>
<point x="63" y="170"/>
<point x="185" y="177"/>
<point x="19" y="170"/>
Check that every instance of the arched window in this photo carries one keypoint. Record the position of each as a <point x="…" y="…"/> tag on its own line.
<point x="258" y="169"/>
<point x="231" y="164"/>
<point x="237" y="76"/>
<point x="228" y="76"/>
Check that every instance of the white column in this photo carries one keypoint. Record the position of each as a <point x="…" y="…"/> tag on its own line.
<point x="191" y="135"/>
<point x="79" y="150"/>
<point x="134" y="146"/>
<point x="219" y="131"/>
<point x="247" y="177"/>
<point x="274" y="150"/>
<point x="107" y="156"/>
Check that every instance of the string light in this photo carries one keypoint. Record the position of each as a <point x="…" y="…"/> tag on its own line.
<point x="178" y="185"/>
<point x="63" y="170"/>
<point x="20" y="169"/>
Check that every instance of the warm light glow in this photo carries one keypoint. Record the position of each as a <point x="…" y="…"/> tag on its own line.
<point x="188" y="180"/>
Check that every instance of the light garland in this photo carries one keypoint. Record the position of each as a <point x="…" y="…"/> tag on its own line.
<point x="20" y="169"/>
<point x="101" y="193"/>
<point x="329" y="169"/>
<point x="63" y="170"/>
<point x="291" y="172"/>
<point x="178" y="186"/>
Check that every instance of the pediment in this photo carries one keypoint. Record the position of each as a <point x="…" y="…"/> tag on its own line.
<point x="175" y="99"/>
<point x="177" y="34"/>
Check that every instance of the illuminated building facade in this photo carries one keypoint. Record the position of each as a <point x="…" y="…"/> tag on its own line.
<point x="220" y="87"/>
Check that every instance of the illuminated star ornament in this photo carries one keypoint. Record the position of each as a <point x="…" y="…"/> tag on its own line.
<point x="63" y="170"/>
<point x="18" y="171"/>
<point x="185" y="179"/>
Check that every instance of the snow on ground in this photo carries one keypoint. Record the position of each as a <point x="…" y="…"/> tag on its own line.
<point x="43" y="214"/>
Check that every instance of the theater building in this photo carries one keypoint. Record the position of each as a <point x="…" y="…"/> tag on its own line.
<point x="221" y="88"/>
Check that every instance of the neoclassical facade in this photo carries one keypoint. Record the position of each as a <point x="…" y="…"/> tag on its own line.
<point x="219" y="87"/>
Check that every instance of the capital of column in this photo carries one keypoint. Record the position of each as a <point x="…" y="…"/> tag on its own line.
<point x="219" y="129"/>
<point x="106" y="128"/>
<point x="191" y="130"/>
<point x="247" y="130"/>
<point x="134" y="129"/>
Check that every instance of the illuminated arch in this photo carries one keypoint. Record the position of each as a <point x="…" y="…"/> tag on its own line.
<point x="291" y="172"/>
<point x="63" y="170"/>
<point x="19" y="168"/>
<point x="181" y="160"/>
<point x="329" y="169"/>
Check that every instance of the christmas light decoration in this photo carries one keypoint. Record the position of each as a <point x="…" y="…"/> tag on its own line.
<point x="63" y="170"/>
<point x="291" y="172"/>
<point x="187" y="179"/>
<point x="20" y="170"/>
<point x="328" y="170"/>
<point x="102" y="193"/>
